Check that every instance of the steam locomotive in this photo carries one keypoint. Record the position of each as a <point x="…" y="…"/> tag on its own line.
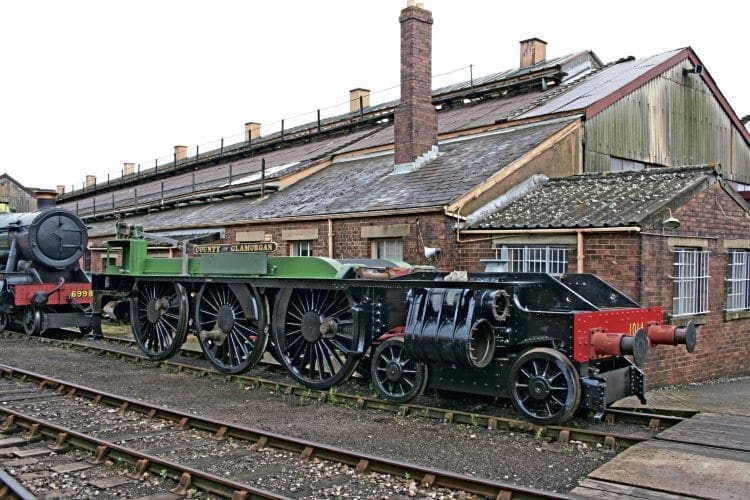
<point x="41" y="282"/>
<point x="551" y="345"/>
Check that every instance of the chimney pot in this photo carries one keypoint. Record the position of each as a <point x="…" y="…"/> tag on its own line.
<point x="415" y="123"/>
<point x="45" y="198"/>
<point x="354" y="95"/>
<point x="533" y="51"/>
<point x="180" y="152"/>
<point x="252" y="131"/>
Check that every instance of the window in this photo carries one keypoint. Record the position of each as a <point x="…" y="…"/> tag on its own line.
<point x="87" y="260"/>
<point x="738" y="280"/>
<point x="390" y="249"/>
<point x="532" y="259"/>
<point x="302" y="248"/>
<point x="624" y="165"/>
<point x="690" y="282"/>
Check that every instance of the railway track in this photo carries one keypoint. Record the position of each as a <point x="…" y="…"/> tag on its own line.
<point x="130" y="443"/>
<point x="599" y="435"/>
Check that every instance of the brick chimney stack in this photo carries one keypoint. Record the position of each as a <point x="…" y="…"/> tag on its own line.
<point x="415" y="127"/>
<point x="533" y="51"/>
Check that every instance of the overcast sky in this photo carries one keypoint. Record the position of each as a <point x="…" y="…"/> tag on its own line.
<point x="88" y="85"/>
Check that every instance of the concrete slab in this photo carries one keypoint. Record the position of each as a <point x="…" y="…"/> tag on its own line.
<point x="730" y="396"/>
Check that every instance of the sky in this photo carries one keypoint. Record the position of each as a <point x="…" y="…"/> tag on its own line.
<point x="86" y="86"/>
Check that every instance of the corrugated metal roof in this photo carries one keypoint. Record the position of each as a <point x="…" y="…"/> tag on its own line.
<point x="598" y="200"/>
<point x="294" y="158"/>
<point x="568" y="62"/>
<point x="599" y="85"/>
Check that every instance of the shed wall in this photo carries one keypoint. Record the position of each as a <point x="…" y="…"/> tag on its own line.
<point x="672" y="120"/>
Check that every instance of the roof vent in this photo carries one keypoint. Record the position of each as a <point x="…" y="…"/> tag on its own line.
<point x="252" y="131"/>
<point x="180" y="153"/>
<point x="533" y="51"/>
<point x="358" y="99"/>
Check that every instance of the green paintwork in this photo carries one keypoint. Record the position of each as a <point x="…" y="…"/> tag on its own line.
<point x="136" y="262"/>
<point x="306" y="267"/>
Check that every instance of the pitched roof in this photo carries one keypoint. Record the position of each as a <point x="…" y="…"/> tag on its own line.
<point x="366" y="184"/>
<point x="605" y="82"/>
<point x="600" y="200"/>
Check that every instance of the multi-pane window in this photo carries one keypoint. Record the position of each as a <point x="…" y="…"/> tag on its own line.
<point x="302" y="248"/>
<point x="690" y="282"/>
<point x="738" y="280"/>
<point x="388" y="248"/>
<point x="533" y="259"/>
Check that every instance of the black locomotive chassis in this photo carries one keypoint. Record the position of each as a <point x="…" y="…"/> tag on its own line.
<point x="543" y="316"/>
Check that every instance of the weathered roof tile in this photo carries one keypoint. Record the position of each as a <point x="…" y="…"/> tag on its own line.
<point x="597" y="200"/>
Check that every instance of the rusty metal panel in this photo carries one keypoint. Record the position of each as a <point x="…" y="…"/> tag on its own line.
<point x="673" y="120"/>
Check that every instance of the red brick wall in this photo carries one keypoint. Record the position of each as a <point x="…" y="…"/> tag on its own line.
<point x="642" y="266"/>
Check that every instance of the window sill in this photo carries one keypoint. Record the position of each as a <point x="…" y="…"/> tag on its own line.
<point x="697" y="319"/>
<point x="733" y="315"/>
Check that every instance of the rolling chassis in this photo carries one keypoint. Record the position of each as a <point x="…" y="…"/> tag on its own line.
<point x="552" y="346"/>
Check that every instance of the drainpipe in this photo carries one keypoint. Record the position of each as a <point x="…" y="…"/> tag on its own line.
<point x="330" y="238"/>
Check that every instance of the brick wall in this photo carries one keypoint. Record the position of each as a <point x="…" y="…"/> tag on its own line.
<point x="642" y="266"/>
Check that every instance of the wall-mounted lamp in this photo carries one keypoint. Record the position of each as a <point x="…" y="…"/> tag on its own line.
<point x="698" y="70"/>
<point x="670" y="222"/>
<point x="433" y="253"/>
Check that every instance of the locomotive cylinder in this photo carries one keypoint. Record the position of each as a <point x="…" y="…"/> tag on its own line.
<point x="53" y="237"/>
<point x="446" y="324"/>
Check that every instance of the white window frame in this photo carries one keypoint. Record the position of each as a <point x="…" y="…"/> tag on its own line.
<point x="387" y="248"/>
<point x="691" y="281"/>
<point x="302" y="248"/>
<point x="533" y="259"/>
<point x="738" y="280"/>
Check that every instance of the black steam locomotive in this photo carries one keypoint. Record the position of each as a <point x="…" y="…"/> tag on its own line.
<point x="550" y="345"/>
<point x="41" y="282"/>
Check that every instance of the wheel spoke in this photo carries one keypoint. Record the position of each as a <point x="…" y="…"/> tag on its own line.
<point x="544" y="386"/>
<point x="315" y="355"/>
<point x="396" y="376"/>
<point x="232" y="336"/>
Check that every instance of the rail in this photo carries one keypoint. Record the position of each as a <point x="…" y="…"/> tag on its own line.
<point x="427" y="476"/>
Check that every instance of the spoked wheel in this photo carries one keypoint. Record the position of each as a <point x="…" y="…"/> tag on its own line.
<point x="396" y="376"/>
<point x="159" y="318"/>
<point x="314" y="336"/>
<point x="34" y="321"/>
<point x="231" y="326"/>
<point x="544" y="386"/>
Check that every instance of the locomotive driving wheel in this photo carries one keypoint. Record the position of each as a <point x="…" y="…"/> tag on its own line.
<point x="396" y="376"/>
<point x="34" y="321"/>
<point x="159" y="318"/>
<point x="314" y="336"/>
<point x="4" y="321"/>
<point x="231" y="323"/>
<point x="544" y="386"/>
